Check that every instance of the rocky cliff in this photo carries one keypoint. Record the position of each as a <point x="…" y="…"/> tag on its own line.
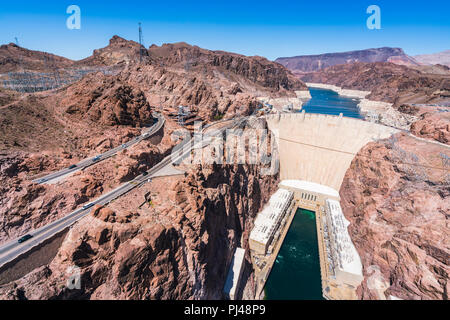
<point x="257" y="70"/>
<point x="396" y="194"/>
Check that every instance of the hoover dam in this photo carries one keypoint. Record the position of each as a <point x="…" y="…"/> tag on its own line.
<point x="319" y="148"/>
<point x="315" y="151"/>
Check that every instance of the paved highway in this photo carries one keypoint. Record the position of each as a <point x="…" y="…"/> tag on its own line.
<point x="94" y="160"/>
<point x="13" y="249"/>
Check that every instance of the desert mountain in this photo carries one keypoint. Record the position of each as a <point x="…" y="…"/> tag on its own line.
<point x="211" y="83"/>
<point x="119" y="51"/>
<point x="14" y="58"/>
<point x="257" y="70"/>
<point x="386" y="81"/>
<point x="435" y="58"/>
<point x="309" y="63"/>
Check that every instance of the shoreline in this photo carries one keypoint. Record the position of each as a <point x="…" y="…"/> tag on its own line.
<point x="371" y="110"/>
<point x="296" y="102"/>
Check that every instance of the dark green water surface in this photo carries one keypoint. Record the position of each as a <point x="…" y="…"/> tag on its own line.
<point x="296" y="272"/>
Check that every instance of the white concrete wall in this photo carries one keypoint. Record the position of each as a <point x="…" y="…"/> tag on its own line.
<point x="309" y="154"/>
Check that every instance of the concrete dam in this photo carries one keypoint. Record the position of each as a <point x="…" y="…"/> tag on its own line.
<point x="320" y="148"/>
<point x="315" y="151"/>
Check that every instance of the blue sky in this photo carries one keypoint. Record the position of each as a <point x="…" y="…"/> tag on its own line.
<point x="266" y="28"/>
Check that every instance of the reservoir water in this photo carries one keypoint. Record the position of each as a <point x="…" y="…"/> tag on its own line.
<point x="296" y="272"/>
<point x="329" y="102"/>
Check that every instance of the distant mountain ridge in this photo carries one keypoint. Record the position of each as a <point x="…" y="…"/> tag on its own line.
<point x="435" y="58"/>
<point x="311" y="63"/>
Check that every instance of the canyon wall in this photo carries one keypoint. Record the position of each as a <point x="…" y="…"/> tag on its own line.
<point x="396" y="195"/>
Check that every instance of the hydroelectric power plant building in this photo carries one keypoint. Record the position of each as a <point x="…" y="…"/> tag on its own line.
<point x="340" y="264"/>
<point x="269" y="221"/>
<point x="343" y="259"/>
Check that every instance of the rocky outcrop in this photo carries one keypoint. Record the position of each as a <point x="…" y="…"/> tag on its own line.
<point x="433" y="125"/>
<point x="311" y="63"/>
<point x="396" y="195"/>
<point x="118" y="52"/>
<point x="107" y="101"/>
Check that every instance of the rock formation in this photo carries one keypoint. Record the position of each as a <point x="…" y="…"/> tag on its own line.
<point x="396" y="195"/>
<point x="433" y="125"/>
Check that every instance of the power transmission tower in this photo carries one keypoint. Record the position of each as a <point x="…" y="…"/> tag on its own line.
<point x="141" y="42"/>
<point x="20" y="58"/>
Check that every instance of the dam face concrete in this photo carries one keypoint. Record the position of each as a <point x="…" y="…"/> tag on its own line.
<point x="320" y="148"/>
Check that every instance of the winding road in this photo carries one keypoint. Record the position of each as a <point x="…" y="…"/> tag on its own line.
<point x="56" y="176"/>
<point x="13" y="249"/>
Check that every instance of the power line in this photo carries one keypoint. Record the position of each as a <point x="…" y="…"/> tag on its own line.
<point x="354" y="154"/>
